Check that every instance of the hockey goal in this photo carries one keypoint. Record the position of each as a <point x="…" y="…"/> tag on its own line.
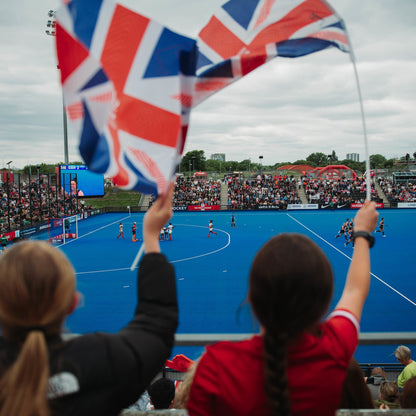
<point x="61" y="229"/>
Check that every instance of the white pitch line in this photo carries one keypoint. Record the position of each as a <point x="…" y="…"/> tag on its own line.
<point x="348" y="257"/>
<point x="172" y="261"/>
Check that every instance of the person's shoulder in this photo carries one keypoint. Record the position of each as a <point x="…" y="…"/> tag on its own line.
<point x="252" y="344"/>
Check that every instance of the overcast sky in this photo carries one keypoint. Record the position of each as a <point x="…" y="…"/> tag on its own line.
<point x="283" y="111"/>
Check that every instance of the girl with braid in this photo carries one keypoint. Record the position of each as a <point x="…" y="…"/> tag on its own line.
<point x="298" y="362"/>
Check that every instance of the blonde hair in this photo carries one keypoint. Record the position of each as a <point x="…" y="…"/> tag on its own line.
<point x="402" y="353"/>
<point x="182" y="393"/>
<point x="37" y="289"/>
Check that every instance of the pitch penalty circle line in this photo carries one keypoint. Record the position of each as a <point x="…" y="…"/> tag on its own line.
<point x="348" y="257"/>
<point x="171" y="261"/>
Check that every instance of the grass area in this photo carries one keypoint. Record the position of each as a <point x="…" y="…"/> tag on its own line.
<point x="115" y="198"/>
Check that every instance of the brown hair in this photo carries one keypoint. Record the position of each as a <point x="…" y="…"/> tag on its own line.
<point x="291" y="285"/>
<point x="408" y="396"/>
<point x="355" y="392"/>
<point x="37" y="289"/>
<point x="389" y="391"/>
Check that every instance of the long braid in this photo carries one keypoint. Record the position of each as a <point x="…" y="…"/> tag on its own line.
<point x="290" y="289"/>
<point x="275" y="373"/>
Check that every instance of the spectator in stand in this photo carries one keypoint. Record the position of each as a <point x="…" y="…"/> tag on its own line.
<point x="355" y="393"/>
<point x="377" y="376"/>
<point x="297" y="364"/>
<point x="408" y="396"/>
<point x="161" y="393"/>
<point x="402" y="354"/>
<point x="389" y="396"/>
<point x="93" y="374"/>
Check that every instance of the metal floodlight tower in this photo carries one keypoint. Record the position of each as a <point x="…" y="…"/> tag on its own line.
<point x="51" y="31"/>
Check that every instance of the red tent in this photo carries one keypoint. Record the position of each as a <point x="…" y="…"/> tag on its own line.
<point x="332" y="172"/>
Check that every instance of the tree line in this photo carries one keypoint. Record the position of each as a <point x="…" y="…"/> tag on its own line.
<point x="195" y="160"/>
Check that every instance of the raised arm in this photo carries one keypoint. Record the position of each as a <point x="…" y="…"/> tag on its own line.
<point x="358" y="278"/>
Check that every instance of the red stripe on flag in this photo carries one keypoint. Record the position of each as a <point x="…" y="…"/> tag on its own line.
<point x="205" y="85"/>
<point x="264" y="12"/>
<point x="151" y="167"/>
<point x="122" y="177"/>
<point x="103" y="98"/>
<point x="147" y="121"/>
<point x="303" y="15"/>
<point x="71" y="53"/>
<point x="123" y="39"/>
<point x="219" y="38"/>
<point x="331" y="36"/>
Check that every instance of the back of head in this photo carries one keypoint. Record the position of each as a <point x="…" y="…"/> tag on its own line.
<point x="402" y="353"/>
<point x="389" y="391"/>
<point x="37" y="288"/>
<point x="355" y="393"/>
<point x="162" y="393"/>
<point x="408" y="396"/>
<point x="378" y="371"/>
<point x="290" y="287"/>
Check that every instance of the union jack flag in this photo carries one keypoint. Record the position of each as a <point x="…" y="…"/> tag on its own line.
<point x="245" y="34"/>
<point x="129" y="83"/>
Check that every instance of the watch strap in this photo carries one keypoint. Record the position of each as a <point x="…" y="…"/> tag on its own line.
<point x="365" y="234"/>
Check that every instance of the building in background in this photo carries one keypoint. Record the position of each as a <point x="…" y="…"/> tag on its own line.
<point x="353" y="156"/>
<point x="218" y="156"/>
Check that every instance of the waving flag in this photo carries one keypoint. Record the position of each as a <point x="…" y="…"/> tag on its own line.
<point x="129" y="83"/>
<point x="124" y="82"/>
<point x="245" y="34"/>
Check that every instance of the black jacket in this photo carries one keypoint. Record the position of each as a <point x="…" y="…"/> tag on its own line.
<point x="101" y="374"/>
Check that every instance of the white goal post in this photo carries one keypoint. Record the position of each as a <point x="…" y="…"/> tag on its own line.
<point x="61" y="229"/>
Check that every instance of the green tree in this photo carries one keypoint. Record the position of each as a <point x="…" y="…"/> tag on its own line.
<point x="357" y="167"/>
<point x="317" y="159"/>
<point x="299" y="162"/>
<point x="193" y="161"/>
<point x="377" y="161"/>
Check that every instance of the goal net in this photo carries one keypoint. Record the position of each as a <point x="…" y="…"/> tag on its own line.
<point x="61" y="229"/>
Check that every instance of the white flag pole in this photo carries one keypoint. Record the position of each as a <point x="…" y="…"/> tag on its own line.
<point x="137" y="258"/>
<point x="366" y="153"/>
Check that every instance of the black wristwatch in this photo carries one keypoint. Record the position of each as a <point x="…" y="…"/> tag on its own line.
<point x="371" y="240"/>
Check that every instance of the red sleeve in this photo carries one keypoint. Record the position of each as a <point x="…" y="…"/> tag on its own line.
<point x="342" y="330"/>
<point x="204" y="388"/>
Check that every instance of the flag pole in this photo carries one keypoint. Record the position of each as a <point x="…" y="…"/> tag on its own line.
<point x="366" y="153"/>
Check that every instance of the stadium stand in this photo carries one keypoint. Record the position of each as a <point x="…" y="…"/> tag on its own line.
<point x="264" y="191"/>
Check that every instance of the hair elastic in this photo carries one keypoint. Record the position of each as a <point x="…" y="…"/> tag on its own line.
<point x="36" y="328"/>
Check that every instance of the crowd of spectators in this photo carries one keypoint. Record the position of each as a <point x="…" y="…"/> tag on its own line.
<point x="340" y="191"/>
<point x="195" y="191"/>
<point x="262" y="191"/>
<point x="398" y="192"/>
<point x="29" y="203"/>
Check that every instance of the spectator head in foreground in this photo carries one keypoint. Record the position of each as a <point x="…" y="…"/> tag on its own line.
<point x="408" y="396"/>
<point x="36" y="295"/>
<point x="162" y="393"/>
<point x="355" y="393"/>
